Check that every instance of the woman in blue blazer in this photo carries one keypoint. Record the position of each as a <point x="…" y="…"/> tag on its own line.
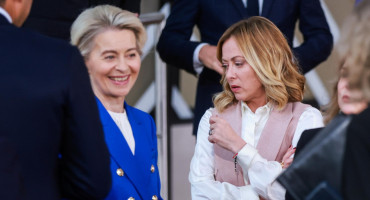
<point x="110" y="40"/>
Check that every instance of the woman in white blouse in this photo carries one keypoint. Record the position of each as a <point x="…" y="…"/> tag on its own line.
<point x="249" y="137"/>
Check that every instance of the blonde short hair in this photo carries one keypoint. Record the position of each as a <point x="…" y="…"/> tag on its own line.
<point x="265" y="48"/>
<point x="354" y="47"/>
<point x="94" y="21"/>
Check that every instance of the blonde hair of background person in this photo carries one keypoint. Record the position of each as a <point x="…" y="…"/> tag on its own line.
<point x="270" y="56"/>
<point x="92" y="22"/>
<point x="354" y="50"/>
<point x="354" y="47"/>
<point x="332" y="108"/>
<point x="344" y="99"/>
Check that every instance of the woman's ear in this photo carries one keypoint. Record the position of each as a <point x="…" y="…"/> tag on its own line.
<point x="88" y="64"/>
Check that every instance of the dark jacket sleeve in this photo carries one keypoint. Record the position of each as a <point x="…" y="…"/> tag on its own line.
<point x="174" y="45"/>
<point x="356" y="162"/>
<point x="318" y="40"/>
<point x="306" y="137"/>
<point x="84" y="163"/>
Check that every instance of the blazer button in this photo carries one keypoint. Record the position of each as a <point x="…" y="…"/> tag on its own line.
<point x="120" y="172"/>
<point x="154" y="197"/>
<point x="152" y="169"/>
<point x="131" y="198"/>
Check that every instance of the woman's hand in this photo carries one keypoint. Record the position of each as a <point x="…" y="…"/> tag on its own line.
<point x="222" y="134"/>
<point x="207" y="55"/>
<point x="287" y="158"/>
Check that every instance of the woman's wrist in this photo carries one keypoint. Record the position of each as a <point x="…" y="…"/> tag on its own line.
<point x="239" y="146"/>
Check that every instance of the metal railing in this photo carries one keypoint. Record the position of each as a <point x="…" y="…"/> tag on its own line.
<point x="154" y="23"/>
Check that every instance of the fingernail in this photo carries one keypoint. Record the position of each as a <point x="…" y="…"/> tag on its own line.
<point x="294" y="147"/>
<point x="290" y="146"/>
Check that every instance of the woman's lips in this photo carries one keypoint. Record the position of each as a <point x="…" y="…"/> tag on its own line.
<point x="119" y="80"/>
<point x="346" y="98"/>
<point x="234" y="88"/>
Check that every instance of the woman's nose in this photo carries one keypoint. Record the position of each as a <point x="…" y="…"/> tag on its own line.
<point x="122" y="64"/>
<point x="230" y="73"/>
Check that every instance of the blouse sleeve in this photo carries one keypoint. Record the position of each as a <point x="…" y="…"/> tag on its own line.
<point x="201" y="177"/>
<point x="262" y="173"/>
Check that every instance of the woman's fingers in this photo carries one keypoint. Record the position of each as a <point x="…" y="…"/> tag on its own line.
<point x="287" y="163"/>
<point x="213" y="119"/>
<point x="288" y="158"/>
<point x="289" y="153"/>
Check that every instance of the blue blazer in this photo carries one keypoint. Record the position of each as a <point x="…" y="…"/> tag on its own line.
<point x="213" y="17"/>
<point x="140" y="178"/>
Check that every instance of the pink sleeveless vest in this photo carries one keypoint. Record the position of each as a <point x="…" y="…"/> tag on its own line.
<point x="275" y="139"/>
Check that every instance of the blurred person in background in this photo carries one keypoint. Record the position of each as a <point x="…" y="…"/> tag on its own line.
<point x="351" y="97"/>
<point x="344" y="101"/>
<point x="354" y="51"/>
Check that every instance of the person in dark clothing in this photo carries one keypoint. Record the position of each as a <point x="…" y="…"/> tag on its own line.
<point x="355" y="48"/>
<point x="54" y="140"/>
<point x="352" y="97"/>
<point x="54" y="18"/>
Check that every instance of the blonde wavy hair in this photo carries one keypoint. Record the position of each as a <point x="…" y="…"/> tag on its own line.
<point x="94" y="21"/>
<point x="265" y="48"/>
<point x="354" y="47"/>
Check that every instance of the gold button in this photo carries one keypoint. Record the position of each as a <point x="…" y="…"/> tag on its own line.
<point x="131" y="198"/>
<point x="154" y="197"/>
<point x="120" y="172"/>
<point x="152" y="169"/>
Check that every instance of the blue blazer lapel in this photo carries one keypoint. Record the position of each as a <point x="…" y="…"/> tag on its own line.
<point x="132" y="165"/>
<point x="143" y="151"/>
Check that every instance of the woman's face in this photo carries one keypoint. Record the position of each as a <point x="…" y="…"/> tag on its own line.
<point x="349" y="101"/>
<point x="113" y="64"/>
<point x="241" y="77"/>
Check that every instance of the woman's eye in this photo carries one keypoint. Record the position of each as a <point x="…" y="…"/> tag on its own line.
<point x="224" y="65"/>
<point x="238" y="64"/>
<point x="132" y="55"/>
<point x="109" y="57"/>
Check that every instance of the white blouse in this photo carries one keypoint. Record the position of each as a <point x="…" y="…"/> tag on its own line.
<point x="124" y="126"/>
<point x="256" y="169"/>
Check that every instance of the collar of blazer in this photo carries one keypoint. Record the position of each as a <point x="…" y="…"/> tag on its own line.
<point x="134" y="166"/>
<point x="3" y="20"/>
